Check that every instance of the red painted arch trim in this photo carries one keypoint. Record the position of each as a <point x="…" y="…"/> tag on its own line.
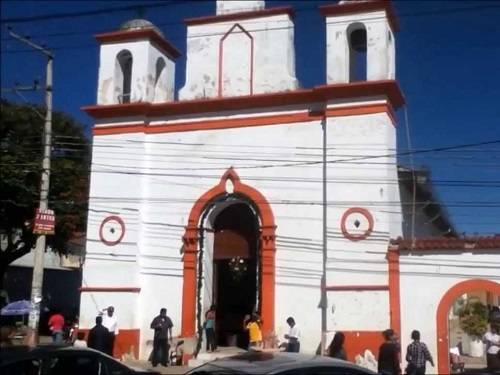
<point x="267" y="252"/>
<point x="240" y="16"/>
<point x="221" y="56"/>
<point x="112" y="289"/>
<point x="442" y="315"/>
<point x="356" y="288"/>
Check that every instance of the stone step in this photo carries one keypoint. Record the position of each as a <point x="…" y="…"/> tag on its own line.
<point x="204" y="357"/>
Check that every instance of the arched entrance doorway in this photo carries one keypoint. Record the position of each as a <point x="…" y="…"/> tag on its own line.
<point x="443" y="312"/>
<point x="231" y="267"/>
<point x="241" y="222"/>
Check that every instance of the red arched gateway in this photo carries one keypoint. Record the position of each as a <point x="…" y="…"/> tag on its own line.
<point x="267" y="251"/>
<point x="442" y="315"/>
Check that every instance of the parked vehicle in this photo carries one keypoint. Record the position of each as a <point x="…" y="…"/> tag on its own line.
<point x="59" y="360"/>
<point x="279" y="363"/>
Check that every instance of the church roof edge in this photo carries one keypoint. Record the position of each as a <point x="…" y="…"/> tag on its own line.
<point x="361" y="7"/>
<point x="390" y="88"/>
<point x="240" y="16"/>
<point x="135" y="34"/>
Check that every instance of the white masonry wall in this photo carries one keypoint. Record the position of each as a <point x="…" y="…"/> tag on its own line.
<point x="424" y="280"/>
<point x="160" y="176"/>
<point x="113" y="192"/>
<point x="143" y="84"/>
<point x="381" y="56"/>
<point x="273" y="63"/>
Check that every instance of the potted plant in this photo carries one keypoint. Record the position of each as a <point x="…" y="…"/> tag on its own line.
<point x="474" y="322"/>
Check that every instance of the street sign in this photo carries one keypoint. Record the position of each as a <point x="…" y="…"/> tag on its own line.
<point x="45" y="222"/>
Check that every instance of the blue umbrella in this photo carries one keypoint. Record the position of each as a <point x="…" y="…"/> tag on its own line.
<point x="22" y="307"/>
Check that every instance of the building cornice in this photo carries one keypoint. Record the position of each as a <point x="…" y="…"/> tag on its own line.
<point x="388" y="88"/>
<point x="467" y="244"/>
<point x="362" y="7"/>
<point x="140" y="34"/>
<point x="240" y="16"/>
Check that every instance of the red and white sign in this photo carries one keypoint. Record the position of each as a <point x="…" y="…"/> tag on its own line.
<point x="45" y="222"/>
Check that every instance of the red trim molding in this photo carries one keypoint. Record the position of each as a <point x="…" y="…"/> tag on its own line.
<point x="362" y="7"/>
<point x="356" y="288"/>
<point x="267" y="252"/>
<point x="343" y="221"/>
<point x="240" y="16"/>
<point x="388" y="88"/>
<point x="111" y="289"/>
<point x="394" y="291"/>
<point x="221" y="56"/>
<point x="442" y="315"/>
<point x="240" y="122"/>
<point x="126" y="342"/>
<point x="448" y="243"/>
<point x="149" y="34"/>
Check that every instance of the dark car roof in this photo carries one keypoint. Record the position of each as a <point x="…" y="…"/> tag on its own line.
<point x="271" y="362"/>
<point x="23" y="352"/>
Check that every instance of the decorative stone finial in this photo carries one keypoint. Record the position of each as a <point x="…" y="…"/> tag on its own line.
<point x="237" y="6"/>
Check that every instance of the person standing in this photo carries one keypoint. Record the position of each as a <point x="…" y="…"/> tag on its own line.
<point x="111" y="323"/>
<point x="292" y="336"/>
<point x="492" y="341"/>
<point x="80" y="340"/>
<point x="252" y="325"/>
<point x="210" y="329"/>
<point x="162" y="326"/>
<point x="388" y="356"/>
<point x="56" y="326"/>
<point x="336" y="349"/>
<point x="417" y="355"/>
<point x="99" y="337"/>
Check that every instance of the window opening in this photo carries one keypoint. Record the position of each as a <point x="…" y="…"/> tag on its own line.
<point x="357" y="52"/>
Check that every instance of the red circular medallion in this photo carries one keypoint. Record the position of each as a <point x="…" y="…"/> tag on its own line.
<point x="356" y="224"/>
<point x="112" y="230"/>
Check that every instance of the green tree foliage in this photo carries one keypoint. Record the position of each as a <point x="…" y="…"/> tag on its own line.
<point x="474" y="318"/>
<point x="21" y="130"/>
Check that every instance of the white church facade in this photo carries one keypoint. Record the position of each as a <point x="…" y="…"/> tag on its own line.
<point x="214" y="194"/>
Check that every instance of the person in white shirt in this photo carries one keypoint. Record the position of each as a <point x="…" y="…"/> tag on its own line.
<point x="292" y="336"/>
<point x="80" y="340"/>
<point x="492" y="341"/>
<point x="111" y="323"/>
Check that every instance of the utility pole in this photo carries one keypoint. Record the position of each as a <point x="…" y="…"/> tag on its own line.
<point x="324" y="299"/>
<point x="37" y="283"/>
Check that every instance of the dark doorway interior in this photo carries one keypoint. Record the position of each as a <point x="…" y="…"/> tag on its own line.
<point x="235" y="272"/>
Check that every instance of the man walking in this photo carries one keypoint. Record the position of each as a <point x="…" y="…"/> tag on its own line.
<point x="163" y="330"/>
<point x="99" y="337"/>
<point x="56" y="325"/>
<point x="111" y="323"/>
<point x="417" y="355"/>
<point x="292" y="336"/>
<point x="389" y="354"/>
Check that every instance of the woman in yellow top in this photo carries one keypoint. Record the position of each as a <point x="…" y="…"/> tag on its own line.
<point x="252" y="325"/>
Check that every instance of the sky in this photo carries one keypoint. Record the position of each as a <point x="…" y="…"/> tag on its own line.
<point x="447" y="65"/>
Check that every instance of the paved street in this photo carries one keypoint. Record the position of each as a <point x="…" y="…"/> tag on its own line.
<point x="160" y="369"/>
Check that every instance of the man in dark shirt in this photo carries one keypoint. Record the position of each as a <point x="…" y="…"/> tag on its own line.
<point x="99" y="337"/>
<point x="389" y="356"/>
<point x="163" y="328"/>
<point x="416" y="355"/>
